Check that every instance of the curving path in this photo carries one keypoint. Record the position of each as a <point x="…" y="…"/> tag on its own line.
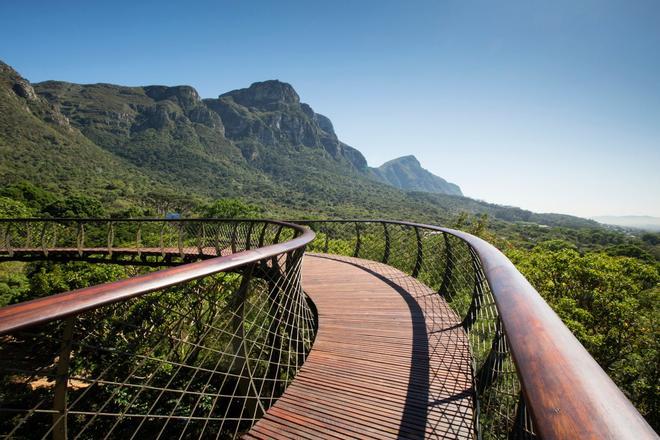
<point x="390" y="360"/>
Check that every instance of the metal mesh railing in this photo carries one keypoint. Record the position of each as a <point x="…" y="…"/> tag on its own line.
<point x="153" y="242"/>
<point x="452" y="268"/>
<point x="200" y="357"/>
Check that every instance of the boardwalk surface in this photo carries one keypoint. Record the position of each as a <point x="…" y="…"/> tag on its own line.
<point x="390" y="360"/>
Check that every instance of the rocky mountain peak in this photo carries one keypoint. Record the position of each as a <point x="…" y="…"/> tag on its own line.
<point x="408" y="160"/>
<point x="19" y="85"/>
<point x="270" y="114"/>
<point x="186" y="96"/>
<point x="407" y="173"/>
<point x="264" y="93"/>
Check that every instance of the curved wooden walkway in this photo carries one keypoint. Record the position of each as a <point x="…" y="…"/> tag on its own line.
<point x="390" y="360"/>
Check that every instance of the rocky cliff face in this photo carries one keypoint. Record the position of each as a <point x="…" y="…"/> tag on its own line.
<point x="406" y="173"/>
<point x="270" y="113"/>
<point x="125" y="111"/>
<point x="30" y="100"/>
<point x="188" y="101"/>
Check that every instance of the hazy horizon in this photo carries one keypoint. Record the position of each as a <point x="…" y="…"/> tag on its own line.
<point x="549" y="107"/>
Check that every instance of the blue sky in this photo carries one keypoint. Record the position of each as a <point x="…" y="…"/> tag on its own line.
<point x="550" y="106"/>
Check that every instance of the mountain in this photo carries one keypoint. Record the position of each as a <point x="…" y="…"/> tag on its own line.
<point x="407" y="173"/>
<point x="166" y="148"/>
<point x="167" y="132"/>
<point x="269" y="114"/>
<point x="39" y="144"/>
<point x="264" y="128"/>
<point x="261" y="143"/>
<point x="644" y="222"/>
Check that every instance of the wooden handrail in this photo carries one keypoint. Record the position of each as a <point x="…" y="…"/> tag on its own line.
<point x="567" y="392"/>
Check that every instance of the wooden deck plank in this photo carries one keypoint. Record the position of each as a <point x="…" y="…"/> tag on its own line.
<point x="389" y="360"/>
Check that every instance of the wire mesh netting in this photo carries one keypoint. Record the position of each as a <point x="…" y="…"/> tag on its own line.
<point x="202" y="359"/>
<point x="132" y="241"/>
<point x="452" y="269"/>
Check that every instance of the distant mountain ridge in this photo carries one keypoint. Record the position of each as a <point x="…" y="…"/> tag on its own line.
<point x="166" y="146"/>
<point x="260" y="139"/>
<point x="407" y="173"/>
<point x="645" y="222"/>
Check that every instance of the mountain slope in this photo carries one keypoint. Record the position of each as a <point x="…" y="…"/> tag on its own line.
<point x="38" y="144"/>
<point x="164" y="147"/>
<point x="167" y="132"/>
<point x="261" y="143"/>
<point x="406" y="173"/>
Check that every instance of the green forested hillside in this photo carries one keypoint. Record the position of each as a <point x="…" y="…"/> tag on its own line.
<point x="39" y="145"/>
<point x="164" y="131"/>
